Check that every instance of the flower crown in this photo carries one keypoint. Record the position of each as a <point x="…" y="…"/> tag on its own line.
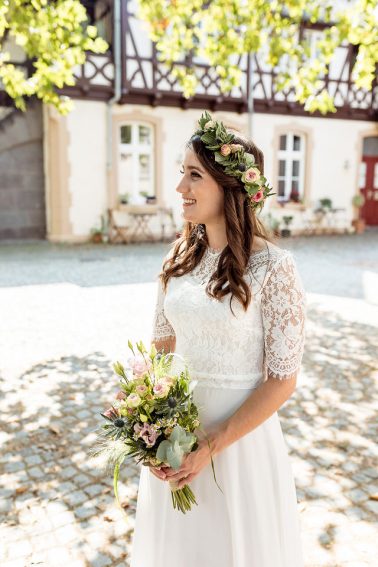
<point x="233" y="157"/>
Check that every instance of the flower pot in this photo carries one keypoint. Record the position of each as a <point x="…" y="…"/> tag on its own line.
<point x="97" y="237"/>
<point x="150" y="200"/>
<point x="359" y="225"/>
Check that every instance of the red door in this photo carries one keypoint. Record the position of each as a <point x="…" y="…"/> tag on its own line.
<point x="369" y="189"/>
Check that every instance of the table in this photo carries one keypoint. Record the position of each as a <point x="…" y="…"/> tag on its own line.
<point x="139" y="228"/>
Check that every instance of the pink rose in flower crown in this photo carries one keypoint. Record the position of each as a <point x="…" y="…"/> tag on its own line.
<point x="236" y="148"/>
<point x="139" y="366"/>
<point x="251" y="175"/>
<point x="258" y="197"/>
<point x="225" y="150"/>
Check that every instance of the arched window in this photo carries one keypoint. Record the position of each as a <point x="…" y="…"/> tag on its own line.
<point x="291" y="167"/>
<point x="136" y="159"/>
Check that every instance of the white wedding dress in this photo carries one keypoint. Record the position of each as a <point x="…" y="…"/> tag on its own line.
<point x="255" y="522"/>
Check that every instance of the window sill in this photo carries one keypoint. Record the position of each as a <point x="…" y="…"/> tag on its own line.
<point x="291" y="205"/>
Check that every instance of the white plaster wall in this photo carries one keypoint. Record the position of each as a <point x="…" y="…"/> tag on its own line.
<point x="334" y="152"/>
<point x="334" y="157"/>
<point x="87" y="165"/>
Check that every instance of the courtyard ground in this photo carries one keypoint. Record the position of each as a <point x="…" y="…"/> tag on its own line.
<point x="66" y="314"/>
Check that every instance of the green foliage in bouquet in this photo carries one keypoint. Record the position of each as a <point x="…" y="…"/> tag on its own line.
<point x="153" y="418"/>
<point x="173" y="449"/>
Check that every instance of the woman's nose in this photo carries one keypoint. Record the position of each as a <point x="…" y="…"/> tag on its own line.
<point x="181" y="186"/>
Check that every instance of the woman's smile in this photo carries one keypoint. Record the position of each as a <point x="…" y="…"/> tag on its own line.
<point x="189" y="202"/>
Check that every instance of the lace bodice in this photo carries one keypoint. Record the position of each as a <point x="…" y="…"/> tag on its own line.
<point x="241" y="351"/>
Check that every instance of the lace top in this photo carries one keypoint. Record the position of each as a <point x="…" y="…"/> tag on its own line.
<point x="241" y="351"/>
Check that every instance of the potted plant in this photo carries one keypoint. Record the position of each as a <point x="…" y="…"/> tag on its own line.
<point x="358" y="223"/>
<point x="294" y="195"/>
<point x="150" y="199"/>
<point x="287" y="220"/>
<point x="124" y="198"/>
<point x="98" y="235"/>
<point x="325" y="204"/>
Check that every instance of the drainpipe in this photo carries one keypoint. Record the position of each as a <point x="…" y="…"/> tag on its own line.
<point x="250" y="97"/>
<point x="117" y="89"/>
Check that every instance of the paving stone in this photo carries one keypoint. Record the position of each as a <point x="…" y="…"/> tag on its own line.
<point x="34" y="460"/>
<point x="101" y="561"/>
<point x="13" y="467"/>
<point x="76" y="498"/>
<point x="372" y="506"/>
<point x="83" y="513"/>
<point x="82" y="480"/>
<point x="357" y="495"/>
<point x="68" y="472"/>
<point x="94" y="489"/>
<point x="36" y="472"/>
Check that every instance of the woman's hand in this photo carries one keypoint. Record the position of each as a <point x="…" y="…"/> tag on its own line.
<point x="158" y="472"/>
<point x="191" y="466"/>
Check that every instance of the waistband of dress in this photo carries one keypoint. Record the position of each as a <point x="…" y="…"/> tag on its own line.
<point x="226" y="381"/>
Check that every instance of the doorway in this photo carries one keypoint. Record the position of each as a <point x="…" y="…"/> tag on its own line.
<point x="369" y="180"/>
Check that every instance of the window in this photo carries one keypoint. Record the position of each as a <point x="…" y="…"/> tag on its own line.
<point x="362" y="180"/>
<point x="291" y="159"/>
<point x="136" y="160"/>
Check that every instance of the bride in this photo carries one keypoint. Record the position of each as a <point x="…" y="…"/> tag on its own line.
<point x="232" y="303"/>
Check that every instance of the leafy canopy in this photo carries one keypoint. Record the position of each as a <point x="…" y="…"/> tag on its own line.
<point x="54" y="37"/>
<point x="218" y="31"/>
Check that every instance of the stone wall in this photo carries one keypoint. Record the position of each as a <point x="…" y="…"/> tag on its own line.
<point x="22" y="200"/>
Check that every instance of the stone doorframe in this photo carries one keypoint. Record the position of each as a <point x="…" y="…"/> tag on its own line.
<point x="57" y="171"/>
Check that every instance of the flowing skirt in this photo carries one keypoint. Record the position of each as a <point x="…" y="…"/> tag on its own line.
<point x="253" y="523"/>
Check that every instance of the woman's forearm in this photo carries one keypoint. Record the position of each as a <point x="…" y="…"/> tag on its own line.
<point x="259" y="406"/>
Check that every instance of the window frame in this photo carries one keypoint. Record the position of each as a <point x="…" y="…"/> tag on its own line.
<point x="289" y="156"/>
<point x="136" y="149"/>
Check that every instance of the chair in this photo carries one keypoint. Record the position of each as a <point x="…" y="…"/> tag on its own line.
<point x="117" y="232"/>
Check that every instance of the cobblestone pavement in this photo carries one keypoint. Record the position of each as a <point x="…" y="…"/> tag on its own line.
<point x="66" y="315"/>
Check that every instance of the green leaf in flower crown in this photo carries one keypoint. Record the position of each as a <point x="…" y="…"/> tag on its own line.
<point x="209" y="138"/>
<point x="220" y="159"/>
<point x="249" y="159"/>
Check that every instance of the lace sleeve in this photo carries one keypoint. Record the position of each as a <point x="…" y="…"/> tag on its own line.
<point x="283" y="307"/>
<point x="162" y="328"/>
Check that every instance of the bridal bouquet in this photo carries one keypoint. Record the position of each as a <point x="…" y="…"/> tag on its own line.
<point x="152" y="419"/>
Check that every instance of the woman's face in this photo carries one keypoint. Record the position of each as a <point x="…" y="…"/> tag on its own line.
<point x="198" y="186"/>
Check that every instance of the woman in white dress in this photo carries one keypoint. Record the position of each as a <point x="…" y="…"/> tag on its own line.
<point x="245" y="355"/>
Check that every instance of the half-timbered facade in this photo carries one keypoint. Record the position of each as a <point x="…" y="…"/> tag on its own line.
<point x="127" y="134"/>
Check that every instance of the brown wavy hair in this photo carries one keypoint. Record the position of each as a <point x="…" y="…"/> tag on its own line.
<point x="242" y="225"/>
